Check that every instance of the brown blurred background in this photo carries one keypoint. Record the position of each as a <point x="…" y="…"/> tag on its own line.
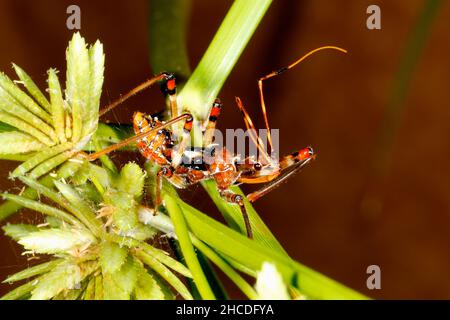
<point x="333" y="102"/>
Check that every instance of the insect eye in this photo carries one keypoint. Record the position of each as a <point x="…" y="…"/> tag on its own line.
<point x="257" y="166"/>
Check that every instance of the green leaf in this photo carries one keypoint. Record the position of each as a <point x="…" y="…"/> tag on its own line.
<point x="79" y="207"/>
<point x="77" y="82"/>
<point x="53" y="241"/>
<point x="43" y="208"/>
<point x="126" y="277"/>
<point x="6" y="127"/>
<point x="120" y="284"/>
<point x="110" y="289"/>
<point x="57" y="105"/>
<point x="20" y="292"/>
<point x="64" y="276"/>
<point x="14" y="142"/>
<point x="187" y="248"/>
<point x="97" y="67"/>
<point x="98" y="294"/>
<point x="252" y="255"/>
<point x="25" y="127"/>
<point x="89" y="293"/>
<point x="18" y="231"/>
<point x="32" y="88"/>
<point x="123" y="208"/>
<point x="22" y="98"/>
<point x="141" y="232"/>
<point x="33" y="271"/>
<point x="131" y="180"/>
<point x="68" y="169"/>
<point x="100" y="177"/>
<point x="221" y="56"/>
<point x="112" y="256"/>
<point x="233" y="216"/>
<point x="54" y="222"/>
<point x="40" y="158"/>
<point x="165" y="273"/>
<point x="167" y="31"/>
<point x="71" y="294"/>
<point x="147" y="288"/>
<point x="164" y="224"/>
<point x="80" y="178"/>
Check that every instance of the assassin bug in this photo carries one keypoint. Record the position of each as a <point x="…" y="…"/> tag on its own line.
<point x="157" y="143"/>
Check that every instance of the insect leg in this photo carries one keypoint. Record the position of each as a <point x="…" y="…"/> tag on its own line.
<point x="232" y="197"/>
<point x="170" y="88"/>
<point x="276" y="73"/>
<point x="136" y="137"/>
<point x="211" y="125"/>
<point x="163" y="171"/>
<point x="178" y="151"/>
<point x="252" y="130"/>
<point x="135" y="90"/>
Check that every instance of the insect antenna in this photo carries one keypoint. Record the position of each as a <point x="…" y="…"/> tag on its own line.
<point x="278" y="72"/>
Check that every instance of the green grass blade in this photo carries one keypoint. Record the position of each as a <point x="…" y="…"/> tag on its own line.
<point x="164" y="224"/>
<point x="252" y="255"/>
<point x="187" y="248"/>
<point x="167" y="37"/>
<point x="233" y="216"/>
<point x="240" y="282"/>
<point x="221" y="56"/>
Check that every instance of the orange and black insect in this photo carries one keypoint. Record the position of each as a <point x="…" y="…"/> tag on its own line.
<point x="157" y="143"/>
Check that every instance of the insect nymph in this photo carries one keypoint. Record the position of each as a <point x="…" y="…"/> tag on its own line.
<point x="157" y="142"/>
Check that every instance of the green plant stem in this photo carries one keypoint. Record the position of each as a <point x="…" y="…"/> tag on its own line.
<point x="240" y="282"/>
<point x="213" y="279"/>
<point x="204" y="85"/>
<point x="252" y="254"/>
<point x="222" y="54"/>
<point x="167" y="32"/>
<point x="164" y="224"/>
<point x="187" y="248"/>
<point x="233" y="216"/>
